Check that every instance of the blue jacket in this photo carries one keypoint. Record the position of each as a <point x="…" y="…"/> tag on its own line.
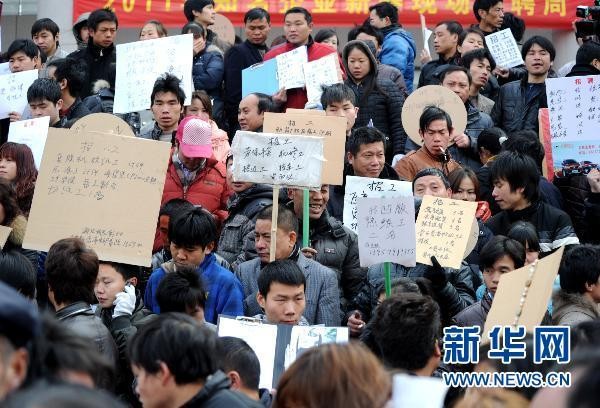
<point x="207" y="74"/>
<point x="224" y="290"/>
<point x="399" y="50"/>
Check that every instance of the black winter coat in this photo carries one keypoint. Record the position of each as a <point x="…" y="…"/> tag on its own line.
<point x="512" y="112"/>
<point x="430" y="73"/>
<point x="98" y="61"/>
<point x="216" y="394"/>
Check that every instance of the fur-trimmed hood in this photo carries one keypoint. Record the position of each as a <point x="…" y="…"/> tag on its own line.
<point x="569" y="309"/>
<point x="19" y="225"/>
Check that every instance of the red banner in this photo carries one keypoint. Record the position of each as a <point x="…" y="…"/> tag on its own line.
<point x="554" y="14"/>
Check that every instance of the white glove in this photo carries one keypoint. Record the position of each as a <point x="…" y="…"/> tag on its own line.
<point x="125" y="302"/>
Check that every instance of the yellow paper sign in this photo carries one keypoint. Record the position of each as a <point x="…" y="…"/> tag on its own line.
<point x="103" y="122"/>
<point x="331" y="128"/>
<point x="105" y="189"/>
<point x="506" y="304"/>
<point x="443" y="230"/>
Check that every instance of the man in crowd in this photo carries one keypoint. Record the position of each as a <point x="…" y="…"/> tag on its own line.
<point x="489" y="14"/>
<point x="445" y="43"/>
<point x="23" y="55"/>
<point x="398" y="49"/>
<point x="297" y="27"/>
<point x="587" y="61"/>
<point x="70" y="76"/>
<point x="321" y="294"/>
<point x="518" y="102"/>
<point x="435" y="128"/>
<point x="515" y="177"/>
<point x="340" y="100"/>
<point x="46" y="35"/>
<point x="480" y="64"/>
<point x="45" y="99"/>
<point x="203" y="12"/>
<point x="257" y="22"/>
<point x="251" y="111"/>
<point x="166" y="103"/>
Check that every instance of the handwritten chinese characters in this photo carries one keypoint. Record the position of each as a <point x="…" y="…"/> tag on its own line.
<point x="504" y="49"/>
<point x="13" y="91"/>
<point x="277" y="159"/>
<point x="574" y="106"/>
<point x="357" y="187"/>
<point x="33" y="133"/>
<point x="103" y="188"/>
<point x="443" y="229"/>
<point x="386" y="230"/>
<point x="323" y="71"/>
<point x="288" y="68"/>
<point x="140" y="63"/>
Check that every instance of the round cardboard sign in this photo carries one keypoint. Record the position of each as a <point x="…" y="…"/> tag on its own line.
<point x="473" y="238"/>
<point x="224" y="28"/>
<point x="104" y="123"/>
<point x="435" y="95"/>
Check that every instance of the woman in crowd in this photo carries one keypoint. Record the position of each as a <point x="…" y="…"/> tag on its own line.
<point x="379" y="100"/>
<point x="153" y="29"/>
<point x="524" y="232"/>
<point x="18" y="167"/>
<point x="327" y="36"/>
<point x="11" y="216"/>
<point x="201" y="106"/>
<point x="208" y="67"/>
<point x="465" y="187"/>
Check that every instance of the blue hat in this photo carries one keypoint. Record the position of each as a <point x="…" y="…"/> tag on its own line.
<point x="19" y="317"/>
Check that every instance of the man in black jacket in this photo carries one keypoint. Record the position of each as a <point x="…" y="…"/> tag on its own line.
<point x="445" y="42"/>
<point x="518" y="102"/>
<point x="587" y="61"/>
<point x="242" y="56"/>
<point x="100" y="52"/>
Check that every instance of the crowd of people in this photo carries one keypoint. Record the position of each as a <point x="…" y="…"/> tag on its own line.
<point x="79" y="331"/>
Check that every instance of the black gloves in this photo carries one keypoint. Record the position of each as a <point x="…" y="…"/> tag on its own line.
<point x="436" y="274"/>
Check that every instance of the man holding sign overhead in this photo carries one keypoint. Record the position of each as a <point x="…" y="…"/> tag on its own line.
<point x="297" y="28"/>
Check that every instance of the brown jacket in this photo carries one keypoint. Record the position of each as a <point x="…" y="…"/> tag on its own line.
<point x="421" y="159"/>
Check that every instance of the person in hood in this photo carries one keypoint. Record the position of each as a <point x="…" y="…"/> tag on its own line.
<point x="158" y="355"/>
<point x="100" y="51"/>
<point x="587" y="60"/>
<point x="379" y="100"/>
<point x="398" y="49"/>
<point x="81" y="31"/>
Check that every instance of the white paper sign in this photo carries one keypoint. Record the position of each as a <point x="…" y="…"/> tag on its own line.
<point x="504" y="49"/>
<point x="275" y="159"/>
<point x="5" y="68"/>
<point x="426" y="33"/>
<point x="369" y="187"/>
<point x="422" y="392"/>
<point x="139" y="64"/>
<point x="386" y="230"/>
<point x="323" y="71"/>
<point x="13" y="91"/>
<point x="33" y="133"/>
<point x="289" y="68"/>
<point x="574" y="108"/>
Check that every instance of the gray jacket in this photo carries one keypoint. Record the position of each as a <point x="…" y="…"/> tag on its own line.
<point x="321" y="291"/>
<point x="570" y="309"/>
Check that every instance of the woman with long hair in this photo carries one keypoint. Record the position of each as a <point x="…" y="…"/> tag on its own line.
<point x="18" y="168"/>
<point x="12" y="217"/>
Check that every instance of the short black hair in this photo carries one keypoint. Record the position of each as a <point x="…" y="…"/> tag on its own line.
<point x="386" y="9"/>
<point x="543" y="42"/>
<point x="125" y="270"/>
<point x="479" y="54"/>
<point x="173" y="206"/>
<point x="194" y="28"/>
<point x="17" y="271"/>
<point x="431" y="171"/>
<point x="483" y="5"/>
<point x="71" y="271"/>
<point x="257" y="13"/>
<point x="324" y="34"/>
<point x="580" y="265"/>
<point x="526" y="142"/>
<point x="285" y="271"/>
<point x="455" y="68"/>
<point x="73" y="70"/>
<point x="168" y="83"/>
<point x="44" y="88"/>
<point x="366" y="29"/>
<point x="265" y="102"/>
<point x="519" y="171"/>
<point x="181" y="291"/>
<point x="490" y="140"/>
<point x="193" y="227"/>
<point x="286" y="218"/>
<point x="362" y="136"/>
<point x="406" y="327"/>
<point x="515" y="24"/>
<point x="453" y="26"/>
<point x="432" y="113"/>
<point x="471" y="30"/>
<point x="188" y="348"/>
<point x="45" y="24"/>
<point x="237" y="355"/>
<point x="525" y="233"/>
<point x="100" y="15"/>
<point x="194" y="5"/>
<point x="497" y="247"/>
<point x="299" y="10"/>
<point x="588" y="52"/>
<point x="337" y="93"/>
<point x="26" y="46"/>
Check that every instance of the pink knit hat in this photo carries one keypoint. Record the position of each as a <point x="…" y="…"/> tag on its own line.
<point x="194" y="137"/>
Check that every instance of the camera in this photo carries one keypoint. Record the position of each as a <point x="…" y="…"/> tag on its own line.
<point x="589" y="23"/>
